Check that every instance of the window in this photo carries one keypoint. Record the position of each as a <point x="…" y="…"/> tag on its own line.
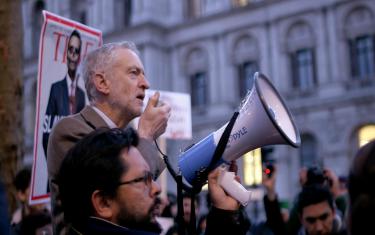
<point x="303" y="69"/>
<point x="366" y="134"/>
<point x="78" y="11"/>
<point x="122" y="13"/>
<point x="362" y="56"/>
<point x="198" y="89"/>
<point x="301" y="50"/>
<point x="245" y="59"/>
<point x="252" y="167"/>
<point x="83" y="17"/>
<point x="194" y="9"/>
<point x="246" y="72"/>
<point x="308" y="153"/>
<point x="197" y="77"/>
<point x="358" y="29"/>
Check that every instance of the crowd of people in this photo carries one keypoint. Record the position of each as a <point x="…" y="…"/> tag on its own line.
<point x="102" y="173"/>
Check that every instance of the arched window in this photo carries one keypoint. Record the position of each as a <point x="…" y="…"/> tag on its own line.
<point x="197" y="72"/>
<point x="37" y="21"/>
<point x="122" y="13"/>
<point x="366" y="134"/>
<point x="361" y="41"/>
<point x="308" y="151"/>
<point x="301" y="48"/>
<point x="245" y="58"/>
<point x="193" y="9"/>
<point x="78" y="11"/>
<point x="198" y="89"/>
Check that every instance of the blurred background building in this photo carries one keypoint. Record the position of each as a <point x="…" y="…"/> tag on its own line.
<point x="319" y="54"/>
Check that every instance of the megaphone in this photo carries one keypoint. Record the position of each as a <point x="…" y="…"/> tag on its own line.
<point x="263" y="119"/>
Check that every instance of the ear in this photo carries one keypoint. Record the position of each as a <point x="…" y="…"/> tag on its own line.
<point x="103" y="206"/>
<point x="102" y="84"/>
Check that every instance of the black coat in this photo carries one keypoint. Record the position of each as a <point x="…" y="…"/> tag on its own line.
<point x="98" y="226"/>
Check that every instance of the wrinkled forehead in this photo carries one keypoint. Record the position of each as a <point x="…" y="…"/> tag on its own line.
<point x="127" y="57"/>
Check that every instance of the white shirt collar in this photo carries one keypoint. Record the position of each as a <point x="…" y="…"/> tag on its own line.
<point x="69" y="81"/>
<point x="106" y="119"/>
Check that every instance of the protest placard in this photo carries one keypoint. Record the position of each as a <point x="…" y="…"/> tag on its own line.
<point x="60" y="92"/>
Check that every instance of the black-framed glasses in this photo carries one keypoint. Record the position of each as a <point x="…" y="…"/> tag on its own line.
<point x="147" y="179"/>
<point x="74" y="50"/>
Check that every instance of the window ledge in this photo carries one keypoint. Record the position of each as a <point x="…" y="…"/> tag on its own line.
<point x="296" y="93"/>
<point x="357" y="83"/>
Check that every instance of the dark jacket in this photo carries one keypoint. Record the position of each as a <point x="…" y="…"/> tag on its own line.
<point x="97" y="226"/>
<point x="218" y="222"/>
<point x="227" y="222"/>
<point x="58" y="107"/>
<point x="274" y="218"/>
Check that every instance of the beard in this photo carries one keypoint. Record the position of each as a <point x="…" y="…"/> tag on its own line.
<point x="143" y="223"/>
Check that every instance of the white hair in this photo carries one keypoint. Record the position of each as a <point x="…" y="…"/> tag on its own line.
<point x="101" y="59"/>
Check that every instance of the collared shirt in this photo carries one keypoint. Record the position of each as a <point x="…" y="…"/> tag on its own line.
<point x="106" y="119"/>
<point x="71" y="85"/>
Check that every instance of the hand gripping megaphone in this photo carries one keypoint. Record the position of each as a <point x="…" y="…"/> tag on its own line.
<point x="263" y="119"/>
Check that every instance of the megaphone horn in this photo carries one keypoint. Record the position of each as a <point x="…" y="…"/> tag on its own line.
<point x="263" y="119"/>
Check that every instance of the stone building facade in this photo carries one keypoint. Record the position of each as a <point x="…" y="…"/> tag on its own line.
<point x="319" y="54"/>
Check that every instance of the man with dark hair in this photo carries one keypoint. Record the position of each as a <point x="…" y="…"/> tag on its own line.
<point x="25" y="211"/>
<point x="65" y="96"/>
<point x="317" y="212"/>
<point x="362" y="191"/>
<point x="108" y="188"/>
<point x="4" y="222"/>
<point x="115" y="83"/>
<point x="186" y="202"/>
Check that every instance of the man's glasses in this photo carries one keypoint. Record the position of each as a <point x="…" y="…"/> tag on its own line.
<point x="147" y="179"/>
<point x="74" y="50"/>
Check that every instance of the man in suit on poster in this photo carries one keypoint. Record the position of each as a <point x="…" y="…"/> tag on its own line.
<point x="65" y="97"/>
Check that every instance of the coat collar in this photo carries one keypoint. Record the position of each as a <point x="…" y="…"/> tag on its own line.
<point x="100" y="226"/>
<point x="92" y="117"/>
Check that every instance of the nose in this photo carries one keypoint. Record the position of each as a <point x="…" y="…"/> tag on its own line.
<point x="155" y="188"/>
<point x="319" y="227"/>
<point x="144" y="82"/>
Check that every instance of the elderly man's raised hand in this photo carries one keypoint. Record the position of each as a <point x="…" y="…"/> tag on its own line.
<point x="154" y="119"/>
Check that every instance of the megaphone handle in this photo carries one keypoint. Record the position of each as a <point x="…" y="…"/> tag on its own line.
<point x="234" y="188"/>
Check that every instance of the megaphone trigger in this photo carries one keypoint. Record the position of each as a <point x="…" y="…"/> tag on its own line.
<point x="224" y="167"/>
